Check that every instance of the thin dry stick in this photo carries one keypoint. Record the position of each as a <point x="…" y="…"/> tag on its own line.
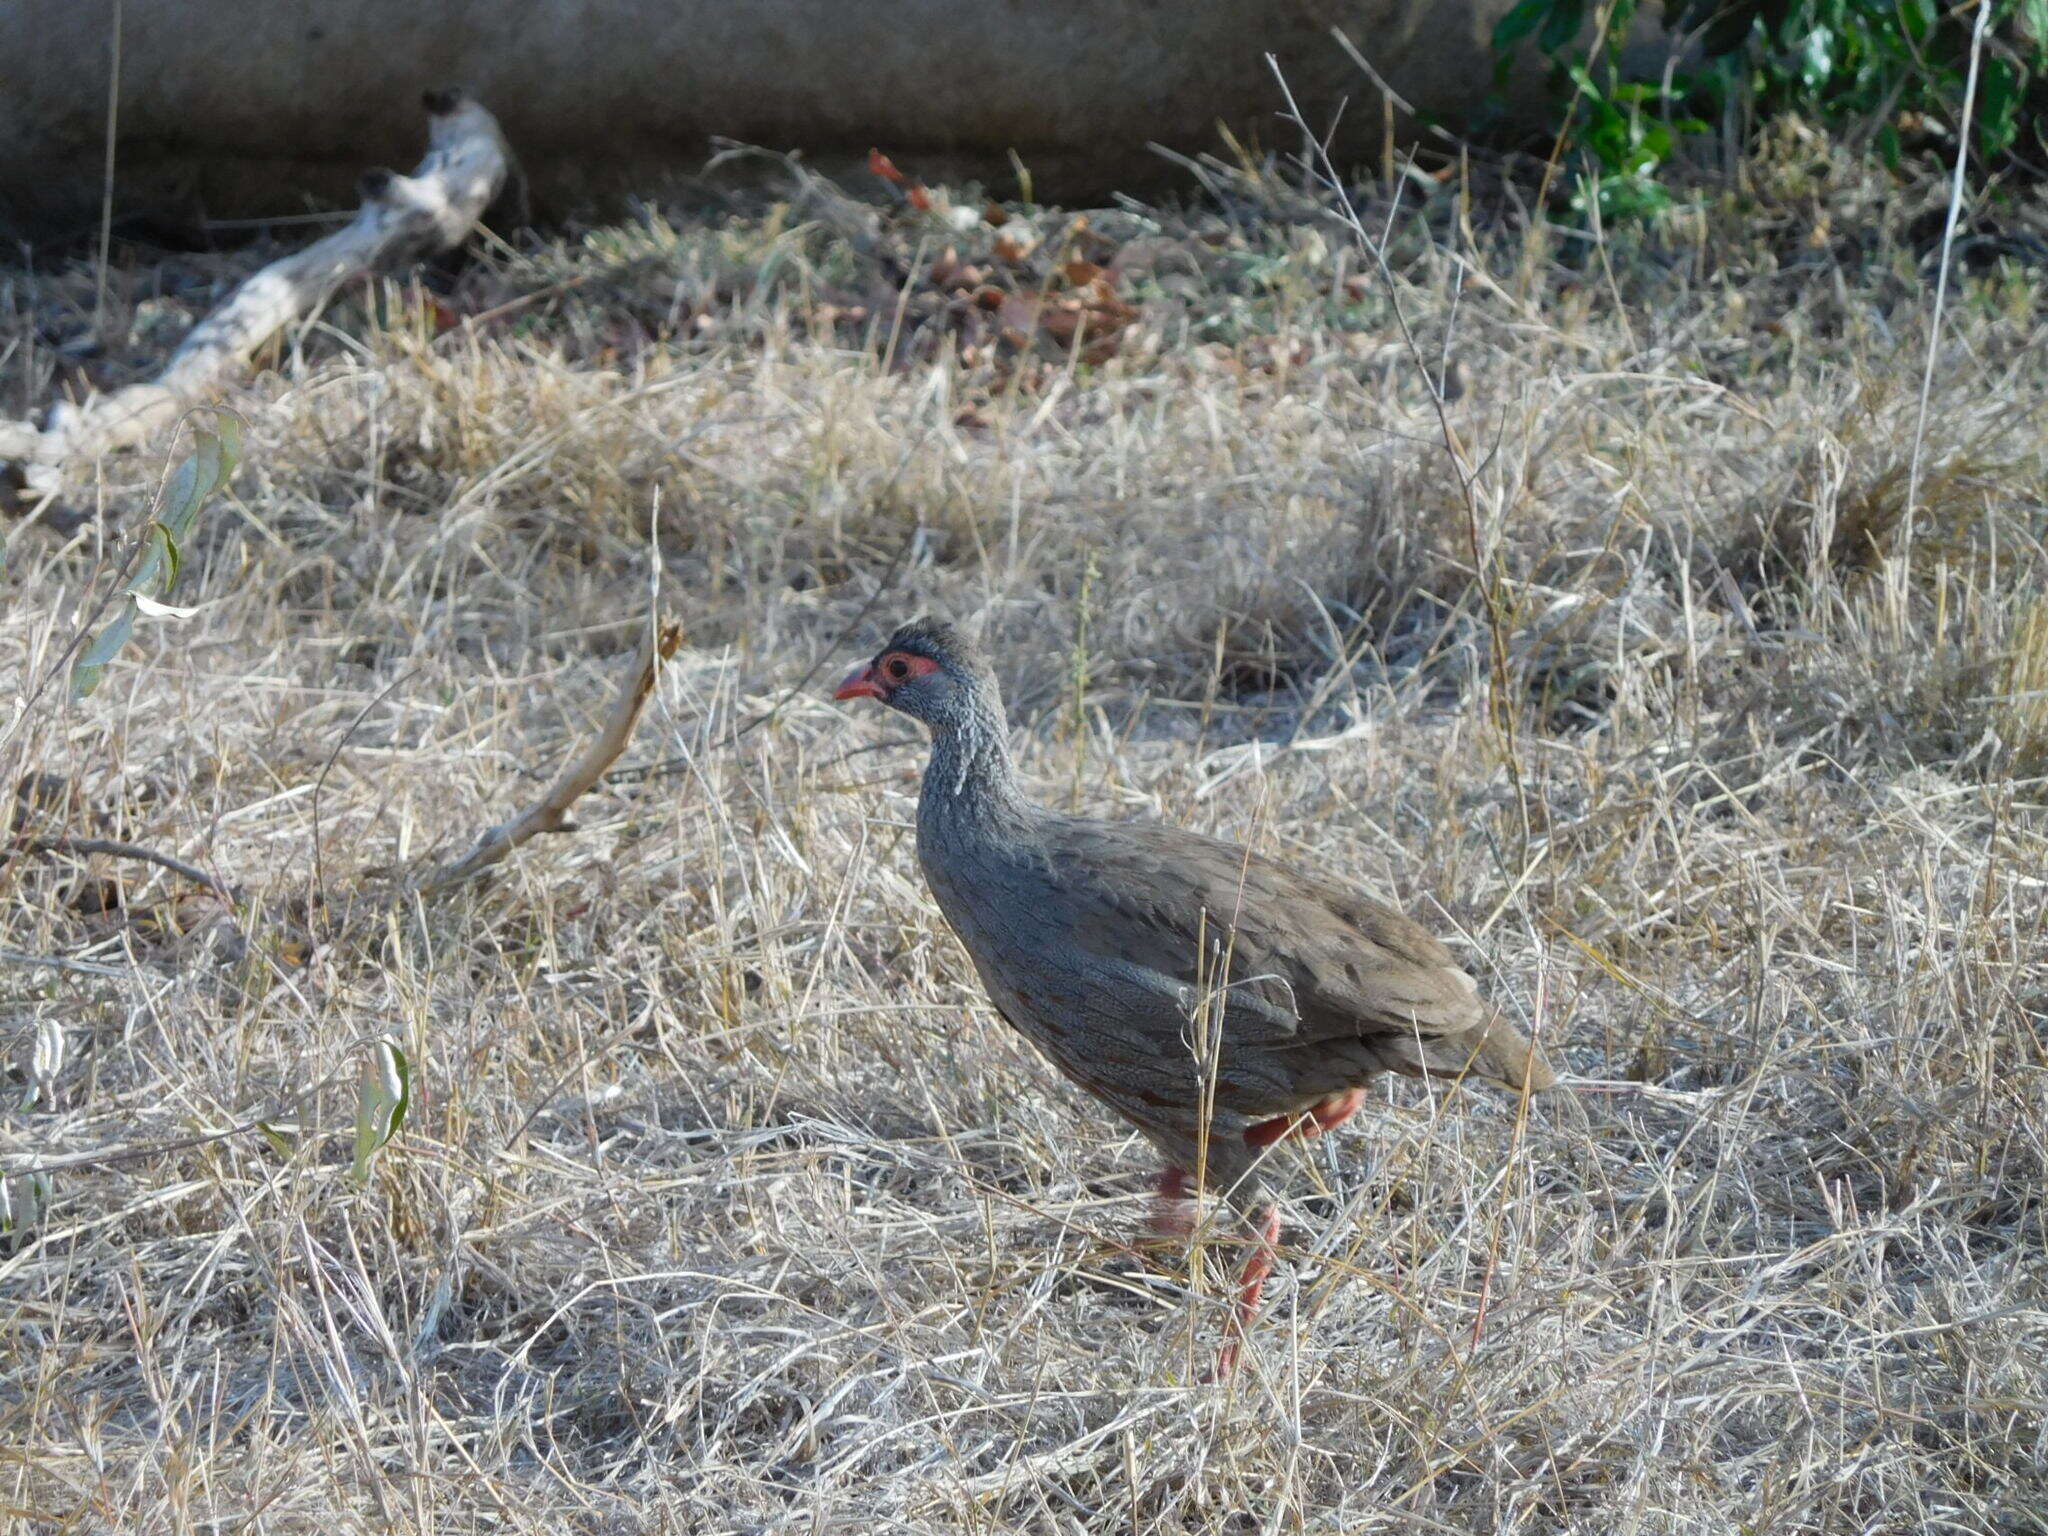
<point x="320" y="783"/>
<point x="99" y="298"/>
<point x="551" y="813"/>
<point x="42" y="1162"/>
<point x="84" y="846"/>
<point x="1948" y="239"/>
<point x="1393" y="97"/>
<point x="774" y="711"/>
<point x="402" y="219"/>
<point x="1461" y="461"/>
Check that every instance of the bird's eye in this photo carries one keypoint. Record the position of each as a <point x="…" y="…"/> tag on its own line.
<point x="896" y="669"/>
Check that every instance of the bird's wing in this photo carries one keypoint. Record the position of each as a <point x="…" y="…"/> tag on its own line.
<point x="1308" y="959"/>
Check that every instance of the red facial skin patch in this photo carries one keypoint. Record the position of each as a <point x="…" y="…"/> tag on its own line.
<point x="879" y="680"/>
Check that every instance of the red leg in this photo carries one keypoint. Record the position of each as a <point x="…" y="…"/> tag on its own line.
<point x="1336" y="1109"/>
<point x="1325" y="1115"/>
<point x="1251" y="1286"/>
<point x="1173" y="1211"/>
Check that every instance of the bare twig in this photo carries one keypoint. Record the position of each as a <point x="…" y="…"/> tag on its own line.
<point x="99" y="300"/>
<point x="83" y="846"/>
<point x="835" y="649"/>
<point x="551" y="812"/>
<point x="320" y="783"/>
<point x="1948" y="239"/>
<point x="64" y="963"/>
<point x="402" y="219"/>
<point x="1392" y="97"/>
<point x="43" y="1162"/>
<point x="1454" y="447"/>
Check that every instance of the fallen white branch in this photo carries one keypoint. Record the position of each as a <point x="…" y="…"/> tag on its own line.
<point x="551" y="814"/>
<point x="403" y="218"/>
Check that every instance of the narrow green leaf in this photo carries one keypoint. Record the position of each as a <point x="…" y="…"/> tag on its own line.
<point x="209" y="466"/>
<point x="91" y="666"/>
<point x="1561" y="25"/>
<point x="278" y="1142"/>
<point x="2003" y="87"/>
<point x="228" y="428"/>
<point x="380" y="1108"/>
<point x="199" y="474"/>
<point x="402" y="1065"/>
<point x="190" y="482"/>
<point x="173" y="561"/>
<point x="1522" y="19"/>
<point x="1584" y="81"/>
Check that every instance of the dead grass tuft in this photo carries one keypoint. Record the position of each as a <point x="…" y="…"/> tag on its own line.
<point x="728" y="1205"/>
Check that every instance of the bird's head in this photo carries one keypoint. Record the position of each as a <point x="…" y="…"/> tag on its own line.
<point x="928" y="670"/>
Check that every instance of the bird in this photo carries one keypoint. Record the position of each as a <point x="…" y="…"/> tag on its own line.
<point x="1218" y="1001"/>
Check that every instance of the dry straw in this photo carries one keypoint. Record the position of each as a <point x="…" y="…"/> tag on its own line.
<point x="722" y="1202"/>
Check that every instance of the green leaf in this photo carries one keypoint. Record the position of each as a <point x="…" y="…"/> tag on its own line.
<point x="2003" y="87"/>
<point x="1561" y="25"/>
<point x="205" y="470"/>
<point x="1522" y="19"/>
<point x="91" y="667"/>
<point x="227" y="426"/>
<point x="278" y="1142"/>
<point x="208" y="467"/>
<point x="173" y="560"/>
<point x="23" y="1201"/>
<point x="380" y="1108"/>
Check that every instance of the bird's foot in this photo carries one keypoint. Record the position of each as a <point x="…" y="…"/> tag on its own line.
<point x="1251" y="1286"/>
<point x="1173" y="1207"/>
<point x="1325" y="1115"/>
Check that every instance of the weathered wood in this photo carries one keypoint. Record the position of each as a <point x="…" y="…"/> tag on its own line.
<point x="551" y="812"/>
<point x="402" y="219"/>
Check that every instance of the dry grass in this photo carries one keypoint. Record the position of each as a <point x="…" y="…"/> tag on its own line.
<point x="727" y="1205"/>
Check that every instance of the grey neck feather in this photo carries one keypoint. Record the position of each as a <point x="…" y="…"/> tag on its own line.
<point x="970" y="770"/>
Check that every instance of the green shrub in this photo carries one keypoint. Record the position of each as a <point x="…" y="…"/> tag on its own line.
<point x="1865" y="69"/>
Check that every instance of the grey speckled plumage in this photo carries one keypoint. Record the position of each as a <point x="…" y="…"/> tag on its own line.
<point x="1118" y="948"/>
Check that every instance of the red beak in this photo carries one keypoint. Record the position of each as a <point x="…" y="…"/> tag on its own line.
<point x="860" y="684"/>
